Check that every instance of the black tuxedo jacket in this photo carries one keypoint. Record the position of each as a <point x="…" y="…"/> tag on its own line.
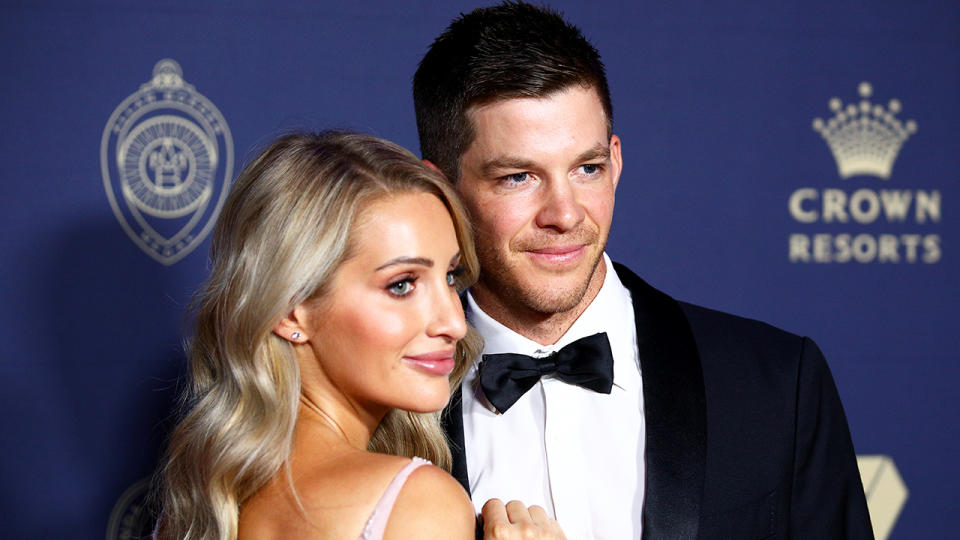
<point x="746" y="436"/>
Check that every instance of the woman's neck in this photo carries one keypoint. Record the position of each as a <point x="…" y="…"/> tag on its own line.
<point x="349" y="424"/>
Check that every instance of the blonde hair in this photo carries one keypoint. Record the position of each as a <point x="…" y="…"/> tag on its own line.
<point x="284" y="231"/>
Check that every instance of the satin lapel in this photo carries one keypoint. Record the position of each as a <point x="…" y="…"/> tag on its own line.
<point x="675" y="408"/>
<point x="452" y="422"/>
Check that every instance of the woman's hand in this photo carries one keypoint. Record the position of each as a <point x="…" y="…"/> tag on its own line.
<point x="514" y="521"/>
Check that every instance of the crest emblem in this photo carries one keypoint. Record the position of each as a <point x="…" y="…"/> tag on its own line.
<point x="167" y="158"/>
<point x="132" y="516"/>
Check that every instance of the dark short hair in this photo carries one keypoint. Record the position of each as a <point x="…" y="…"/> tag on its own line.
<point x="510" y="50"/>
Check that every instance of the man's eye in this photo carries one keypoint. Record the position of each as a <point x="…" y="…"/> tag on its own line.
<point x="401" y="288"/>
<point x="591" y="168"/>
<point x="517" y="178"/>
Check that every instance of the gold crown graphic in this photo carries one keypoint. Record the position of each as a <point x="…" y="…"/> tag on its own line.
<point x="865" y="138"/>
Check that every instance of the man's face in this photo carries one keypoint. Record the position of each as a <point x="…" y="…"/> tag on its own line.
<point x="539" y="181"/>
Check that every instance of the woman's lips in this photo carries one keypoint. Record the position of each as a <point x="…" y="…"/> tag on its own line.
<point x="435" y="363"/>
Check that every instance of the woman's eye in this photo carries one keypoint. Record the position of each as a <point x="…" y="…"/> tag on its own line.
<point x="452" y="275"/>
<point x="401" y="288"/>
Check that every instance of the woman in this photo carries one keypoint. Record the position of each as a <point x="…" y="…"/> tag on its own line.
<point x="328" y="335"/>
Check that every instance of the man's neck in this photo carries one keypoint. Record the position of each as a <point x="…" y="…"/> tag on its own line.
<point x="544" y="328"/>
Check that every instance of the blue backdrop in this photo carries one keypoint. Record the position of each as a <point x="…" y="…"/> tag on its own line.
<point x="729" y="198"/>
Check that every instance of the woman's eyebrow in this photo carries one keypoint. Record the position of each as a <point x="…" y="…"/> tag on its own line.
<point x="422" y="261"/>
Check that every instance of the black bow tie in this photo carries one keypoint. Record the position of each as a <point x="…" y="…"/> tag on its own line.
<point x="586" y="362"/>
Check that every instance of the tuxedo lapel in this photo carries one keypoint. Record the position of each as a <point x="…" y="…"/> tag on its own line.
<point x="675" y="408"/>
<point x="452" y="422"/>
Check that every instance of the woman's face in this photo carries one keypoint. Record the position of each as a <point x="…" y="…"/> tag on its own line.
<point x="384" y="333"/>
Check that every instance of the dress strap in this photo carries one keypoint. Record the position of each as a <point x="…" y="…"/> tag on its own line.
<point x="377" y="523"/>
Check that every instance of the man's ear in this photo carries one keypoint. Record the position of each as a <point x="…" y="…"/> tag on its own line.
<point x="290" y="329"/>
<point x="616" y="159"/>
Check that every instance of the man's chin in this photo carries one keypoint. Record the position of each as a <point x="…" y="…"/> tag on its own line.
<point x="527" y="284"/>
<point x="550" y="295"/>
<point x="556" y="304"/>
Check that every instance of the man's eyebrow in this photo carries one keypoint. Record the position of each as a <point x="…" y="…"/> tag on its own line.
<point x="491" y="167"/>
<point x="599" y="151"/>
<point x="422" y="261"/>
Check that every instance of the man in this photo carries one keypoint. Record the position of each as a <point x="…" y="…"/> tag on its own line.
<point x="704" y="425"/>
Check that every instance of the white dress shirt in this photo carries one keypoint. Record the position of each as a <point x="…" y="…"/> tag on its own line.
<point x="577" y="453"/>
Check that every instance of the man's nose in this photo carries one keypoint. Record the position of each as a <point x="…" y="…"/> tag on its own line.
<point x="560" y="208"/>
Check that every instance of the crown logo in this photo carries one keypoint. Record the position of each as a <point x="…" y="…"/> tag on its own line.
<point x="865" y="138"/>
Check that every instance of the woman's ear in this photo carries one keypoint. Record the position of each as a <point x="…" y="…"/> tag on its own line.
<point x="289" y="328"/>
<point x="432" y="165"/>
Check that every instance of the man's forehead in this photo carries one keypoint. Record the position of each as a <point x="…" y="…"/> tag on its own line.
<point x="574" y="121"/>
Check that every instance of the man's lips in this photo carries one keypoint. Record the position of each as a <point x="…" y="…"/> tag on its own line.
<point x="558" y="254"/>
<point x="433" y="363"/>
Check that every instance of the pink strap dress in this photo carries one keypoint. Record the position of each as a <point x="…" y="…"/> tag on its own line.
<point x="377" y="523"/>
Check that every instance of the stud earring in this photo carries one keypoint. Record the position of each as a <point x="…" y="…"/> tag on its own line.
<point x="295" y="335"/>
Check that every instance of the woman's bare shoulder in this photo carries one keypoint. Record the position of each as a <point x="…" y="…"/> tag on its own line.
<point x="431" y="505"/>
<point x="357" y="469"/>
<point x="336" y="497"/>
